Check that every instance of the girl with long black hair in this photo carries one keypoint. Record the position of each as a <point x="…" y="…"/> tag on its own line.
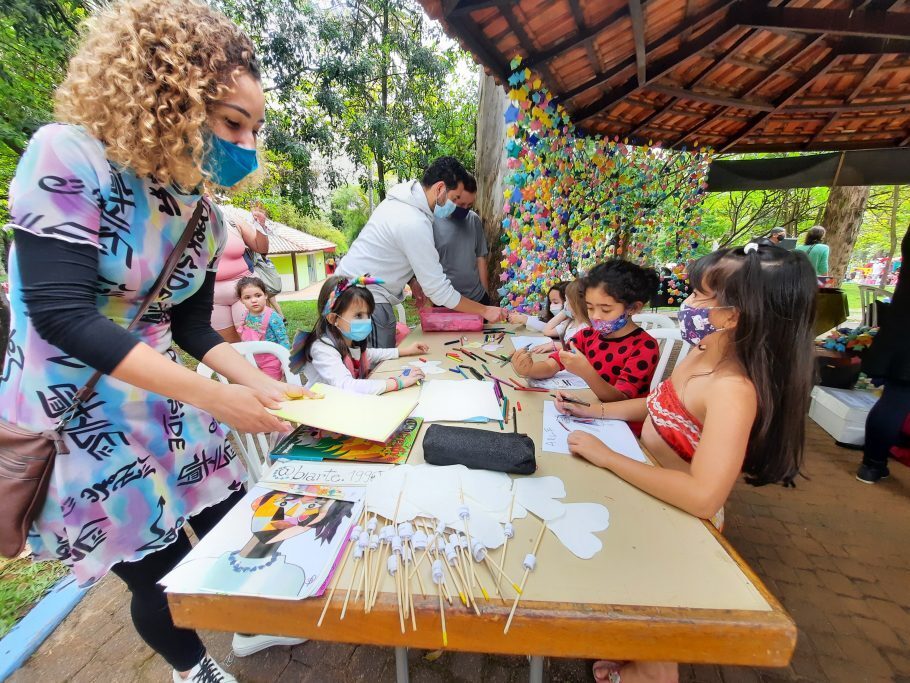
<point x="736" y="404"/>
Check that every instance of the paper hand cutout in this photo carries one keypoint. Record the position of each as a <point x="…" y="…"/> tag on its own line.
<point x="576" y="528"/>
<point x="539" y="494"/>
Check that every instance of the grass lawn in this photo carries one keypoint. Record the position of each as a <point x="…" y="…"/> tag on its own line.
<point x="22" y="584"/>
<point x="301" y="315"/>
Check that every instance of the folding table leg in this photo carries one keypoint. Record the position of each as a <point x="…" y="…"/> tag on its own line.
<point x="401" y="665"/>
<point x="536" y="674"/>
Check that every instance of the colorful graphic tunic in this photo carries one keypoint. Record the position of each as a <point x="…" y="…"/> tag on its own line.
<point x="139" y="464"/>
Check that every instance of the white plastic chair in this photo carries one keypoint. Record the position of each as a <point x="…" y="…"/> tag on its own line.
<point x="652" y="321"/>
<point x="867" y="296"/>
<point x="668" y="340"/>
<point x="400" y="314"/>
<point x="255" y="448"/>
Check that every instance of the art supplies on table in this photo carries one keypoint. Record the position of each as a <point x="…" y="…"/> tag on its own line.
<point x="307" y="443"/>
<point x="614" y="433"/>
<point x="431" y="531"/>
<point x="270" y="545"/>
<point x="561" y="380"/>
<point x="479" y="449"/>
<point x="370" y="417"/>
<point x="532" y="341"/>
<point x="310" y="473"/>
<point x="429" y="367"/>
<point x="466" y="400"/>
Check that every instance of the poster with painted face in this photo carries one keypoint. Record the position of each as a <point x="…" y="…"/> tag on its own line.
<point x="271" y="544"/>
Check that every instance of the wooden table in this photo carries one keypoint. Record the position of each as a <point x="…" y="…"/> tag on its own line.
<point x="665" y="587"/>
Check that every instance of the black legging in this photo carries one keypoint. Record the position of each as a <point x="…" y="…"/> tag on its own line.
<point x="151" y="616"/>
<point x="884" y="423"/>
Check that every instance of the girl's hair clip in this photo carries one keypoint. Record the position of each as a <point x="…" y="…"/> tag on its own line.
<point x="345" y="283"/>
<point x="752" y="246"/>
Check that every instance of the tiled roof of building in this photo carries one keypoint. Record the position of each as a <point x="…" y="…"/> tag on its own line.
<point x="282" y="239"/>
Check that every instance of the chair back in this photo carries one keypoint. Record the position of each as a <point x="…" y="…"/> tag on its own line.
<point x="254" y="448"/>
<point x="672" y="350"/>
<point x="652" y="321"/>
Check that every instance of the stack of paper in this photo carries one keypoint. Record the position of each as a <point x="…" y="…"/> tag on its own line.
<point x="370" y="417"/>
<point x="614" y="433"/>
<point x="467" y="400"/>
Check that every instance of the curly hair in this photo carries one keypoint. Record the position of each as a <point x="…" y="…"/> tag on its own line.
<point x="144" y="78"/>
<point x="625" y="281"/>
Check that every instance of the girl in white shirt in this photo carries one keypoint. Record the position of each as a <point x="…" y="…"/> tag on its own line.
<point x="556" y="299"/>
<point x="335" y="352"/>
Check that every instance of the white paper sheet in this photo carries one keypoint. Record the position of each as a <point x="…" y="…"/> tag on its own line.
<point x="561" y="380"/>
<point x="614" y="433"/>
<point x="457" y="401"/>
<point x="521" y="342"/>
<point x="429" y="367"/>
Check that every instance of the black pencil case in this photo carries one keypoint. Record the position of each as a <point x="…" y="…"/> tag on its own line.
<point x="479" y="449"/>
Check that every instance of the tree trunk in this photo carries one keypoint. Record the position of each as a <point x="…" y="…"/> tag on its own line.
<point x="843" y="219"/>
<point x="892" y="234"/>
<point x="491" y="167"/>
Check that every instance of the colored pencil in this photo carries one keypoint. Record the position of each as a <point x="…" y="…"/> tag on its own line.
<point x="568" y="399"/>
<point x="449" y="343"/>
<point x="514" y="420"/>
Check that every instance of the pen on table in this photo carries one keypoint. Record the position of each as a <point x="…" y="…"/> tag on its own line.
<point x="449" y="343"/>
<point x="461" y="372"/>
<point x="514" y="421"/>
<point x="457" y="372"/>
<point x="568" y="399"/>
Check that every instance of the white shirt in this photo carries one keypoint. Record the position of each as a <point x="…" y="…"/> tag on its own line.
<point x="327" y="367"/>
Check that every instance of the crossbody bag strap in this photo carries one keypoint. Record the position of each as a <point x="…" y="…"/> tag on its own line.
<point x="86" y="390"/>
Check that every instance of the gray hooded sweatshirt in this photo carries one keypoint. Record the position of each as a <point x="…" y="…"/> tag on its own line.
<point x="396" y="244"/>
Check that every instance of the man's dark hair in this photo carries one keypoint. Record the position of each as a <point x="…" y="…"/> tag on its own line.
<point x="447" y="169"/>
<point x="470" y="182"/>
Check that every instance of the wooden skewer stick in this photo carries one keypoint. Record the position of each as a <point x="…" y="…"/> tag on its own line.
<point x="524" y="579"/>
<point x="344" y="561"/>
<point x="354" y="579"/>
<point x="494" y="578"/>
<point x="435" y="554"/>
<point x="442" y="616"/>
<point x="398" y="592"/>
<point x="505" y="545"/>
<point x="493" y="565"/>
<point x="467" y="533"/>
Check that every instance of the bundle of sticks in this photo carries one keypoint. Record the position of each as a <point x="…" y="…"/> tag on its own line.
<point x="453" y="563"/>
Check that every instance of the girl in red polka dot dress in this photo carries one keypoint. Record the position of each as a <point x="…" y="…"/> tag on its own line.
<point x="614" y="356"/>
<point x="736" y="404"/>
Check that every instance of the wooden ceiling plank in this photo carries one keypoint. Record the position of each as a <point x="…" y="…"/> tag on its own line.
<point x="638" y="38"/>
<point x="467" y="6"/>
<point x="577" y="15"/>
<point x="578" y="40"/>
<point x="527" y="44"/>
<point x="791" y="57"/>
<point x="721" y="101"/>
<point x="476" y="44"/>
<point x="707" y="14"/>
<point x="853" y="94"/>
<point x="759" y="120"/>
<point x="891" y="25"/>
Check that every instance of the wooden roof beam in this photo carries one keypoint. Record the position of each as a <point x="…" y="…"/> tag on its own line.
<point x="865" y="23"/>
<point x="465" y="7"/>
<point x="467" y="32"/>
<point x="719" y="100"/>
<point x="759" y="120"/>
<point x="853" y="95"/>
<point x="638" y="37"/>
<point x="705" y="15"/>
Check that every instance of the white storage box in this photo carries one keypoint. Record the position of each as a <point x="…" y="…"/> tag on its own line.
<point x="842" y="413"/>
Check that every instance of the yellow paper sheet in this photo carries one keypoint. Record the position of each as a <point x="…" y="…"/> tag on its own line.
<point x="362" y="415"/>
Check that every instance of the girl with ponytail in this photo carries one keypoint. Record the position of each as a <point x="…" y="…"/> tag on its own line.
<point x="736" y="404"/>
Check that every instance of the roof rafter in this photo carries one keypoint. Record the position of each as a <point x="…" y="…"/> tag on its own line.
<point x="866" y="23"/>
<point x="638" y="38"/>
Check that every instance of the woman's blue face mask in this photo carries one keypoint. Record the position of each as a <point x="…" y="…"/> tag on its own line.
<point x="226" y="163"/>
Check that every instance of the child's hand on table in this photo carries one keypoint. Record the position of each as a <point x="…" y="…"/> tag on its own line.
<point x="413" y="377"/>
<point x="522" y="362"/>
<point x="414" y="349"/>
<point x="574" y="409"/>
<point x="517" y="318"/>
<point x="590" y="448"/>
<point x="547" y="347"/>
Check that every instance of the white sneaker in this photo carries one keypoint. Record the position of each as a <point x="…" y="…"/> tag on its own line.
<point x="244" y="646"/>
<point x="206" y="671"/>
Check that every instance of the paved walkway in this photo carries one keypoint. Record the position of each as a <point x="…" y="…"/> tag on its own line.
<point x="310" y="293"/>
<point x="833" y="550"/>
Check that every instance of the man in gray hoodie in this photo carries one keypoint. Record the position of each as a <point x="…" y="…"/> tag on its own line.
<point x="396" y="245"/>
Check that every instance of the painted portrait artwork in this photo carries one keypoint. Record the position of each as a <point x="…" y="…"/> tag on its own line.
<point x="272" y="544"/>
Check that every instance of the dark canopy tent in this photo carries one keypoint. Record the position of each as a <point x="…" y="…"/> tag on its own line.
<point x="738" y="75"/>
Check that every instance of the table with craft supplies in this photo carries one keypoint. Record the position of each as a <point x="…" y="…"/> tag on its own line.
<point x="666" y="586"/>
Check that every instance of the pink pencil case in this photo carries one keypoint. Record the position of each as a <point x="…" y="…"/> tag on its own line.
<point x="446" y="320"/>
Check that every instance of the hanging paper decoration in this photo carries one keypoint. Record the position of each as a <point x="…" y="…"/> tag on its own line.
<point x="573" y="200"/>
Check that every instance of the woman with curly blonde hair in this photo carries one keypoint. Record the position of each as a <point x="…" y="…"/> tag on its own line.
<point x="161" y="101"/>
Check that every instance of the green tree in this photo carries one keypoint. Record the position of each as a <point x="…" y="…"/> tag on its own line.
<point x="350" y="210"/>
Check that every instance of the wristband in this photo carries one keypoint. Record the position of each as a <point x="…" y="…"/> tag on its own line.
<point x="400" y="383"/>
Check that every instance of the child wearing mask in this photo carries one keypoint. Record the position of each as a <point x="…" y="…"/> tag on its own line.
<point x="614" y="356"/>
<point x="335" y="352"/>
<point x="556" y="299"/>
<point x="736" y="405"/>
